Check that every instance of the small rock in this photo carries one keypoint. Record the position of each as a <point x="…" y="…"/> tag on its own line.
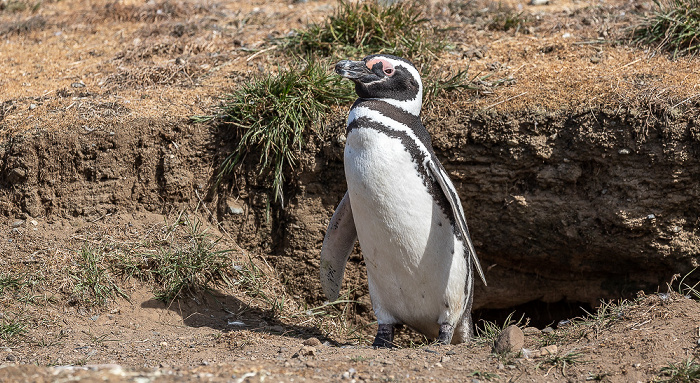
<point x="549" y="350"/>
<point x="233" y="207"/>
<point x="307" y="351"/>
<point x="529" y="354"/>
<point x="511" y="339"/>
<point x="624" y="151"/>
<point x="32" y="106"/>
<point x="17" y="223"/>
<point x="10" y="358"/>
<point x="444" y="359"/>
<point x="17" y="175"/>
<point x="451" y="352"/>
<point x="500" y="366"/>
<point x="595" y="59"/>
<point x="547" y="330"/>
<point x="313" y="342"/>
<point x="77" y="85"/>
<point x="539" y="2"/>
<point x="34" y="222"/>
<point x="527" y="331"/>
<point x="438" y="365"/>
<point x="163" y="344"/>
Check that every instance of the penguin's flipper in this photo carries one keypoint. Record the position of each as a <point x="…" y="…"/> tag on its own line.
<point x="337" y="245"/>
<point x="448" y="189"/>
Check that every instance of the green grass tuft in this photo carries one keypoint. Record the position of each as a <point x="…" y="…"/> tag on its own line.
<point x="179" y="270"/>
<point x="271" y="116"/>
<point x="505" y="18"/>
<point x="11" y="282"/>
<point x="94" y="284"/>
<point x="11" y="328"/>
<point x="562" y="361"/>
<point x="674" y="26"/>
<point x="15" y="6"/>
<point x="254" y="283"/>
<point x="687" y="371"/>
<point x="357" y="29"/>
<point x="489" y="331"/>
<point x="688" y="290"/>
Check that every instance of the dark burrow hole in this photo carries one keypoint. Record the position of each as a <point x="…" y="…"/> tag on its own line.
<point x="541" y="314"/>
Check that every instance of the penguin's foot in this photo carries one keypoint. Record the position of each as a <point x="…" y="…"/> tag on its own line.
<point x="385" y="336"/>
<point x="445" y="333"/>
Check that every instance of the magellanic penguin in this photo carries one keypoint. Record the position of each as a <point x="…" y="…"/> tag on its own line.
<point x="403" y="208"/>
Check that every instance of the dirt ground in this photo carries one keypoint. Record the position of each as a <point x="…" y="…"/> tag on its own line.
<point x="130" y="74"/>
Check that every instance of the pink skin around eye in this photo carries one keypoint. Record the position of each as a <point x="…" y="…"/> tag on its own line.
<point x="386" y="66"/>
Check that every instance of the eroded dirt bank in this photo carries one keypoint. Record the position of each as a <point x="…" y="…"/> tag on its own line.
<point x="562" y="206"/>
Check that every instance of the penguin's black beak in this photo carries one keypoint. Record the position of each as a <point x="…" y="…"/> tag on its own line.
<point x="352" y="70"/>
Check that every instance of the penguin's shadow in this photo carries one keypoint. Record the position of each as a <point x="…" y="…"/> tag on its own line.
<point x="225" y="313"/>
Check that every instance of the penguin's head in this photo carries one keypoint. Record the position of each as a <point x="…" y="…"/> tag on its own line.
<point x="389" y="78"/>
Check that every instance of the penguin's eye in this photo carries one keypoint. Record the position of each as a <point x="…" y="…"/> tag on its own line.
<point x="378" y="64"/>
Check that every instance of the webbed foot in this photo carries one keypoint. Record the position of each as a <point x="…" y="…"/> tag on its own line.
<point x="445" y="333"/>
<point x="385" y="336"/>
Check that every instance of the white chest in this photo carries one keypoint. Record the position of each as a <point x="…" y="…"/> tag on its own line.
<point x="415" y="266"/>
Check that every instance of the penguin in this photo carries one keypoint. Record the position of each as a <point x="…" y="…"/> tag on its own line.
<point x="403" y="208"/>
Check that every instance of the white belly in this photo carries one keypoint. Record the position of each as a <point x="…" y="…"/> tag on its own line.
<point x="415" y="266"/>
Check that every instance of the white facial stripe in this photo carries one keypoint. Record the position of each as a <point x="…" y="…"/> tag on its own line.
<point x="413" y="105"/>
<point x="373" y="115"/>
<point x="378" y="81"/>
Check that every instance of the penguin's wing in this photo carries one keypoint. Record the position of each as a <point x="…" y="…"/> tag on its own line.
<point x="448" y="189"/>
<point x="337" y="245"/>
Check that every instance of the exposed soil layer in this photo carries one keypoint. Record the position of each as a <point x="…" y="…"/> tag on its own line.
<point x="579" y="176"/>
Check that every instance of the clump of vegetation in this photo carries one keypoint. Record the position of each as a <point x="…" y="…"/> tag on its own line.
<point x="366" y="27"/>
<point x="492" y="16"/>
<point x="684" y="288"/>
<point x="674" y="26"/>
<point x="11" y="328"/>
<point x="437" y="87"/>
<point x="21" y="287"/>
<point x="505" y="18"/>
<point x="179" y="270"/>
<point x="19" y="6"/>
<point x="271" y="116"/>
<point x="687" y="371"/>
<point x="562" y="361"/>
<point x="93" y="282"/>
<point x="487" y="333"/>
